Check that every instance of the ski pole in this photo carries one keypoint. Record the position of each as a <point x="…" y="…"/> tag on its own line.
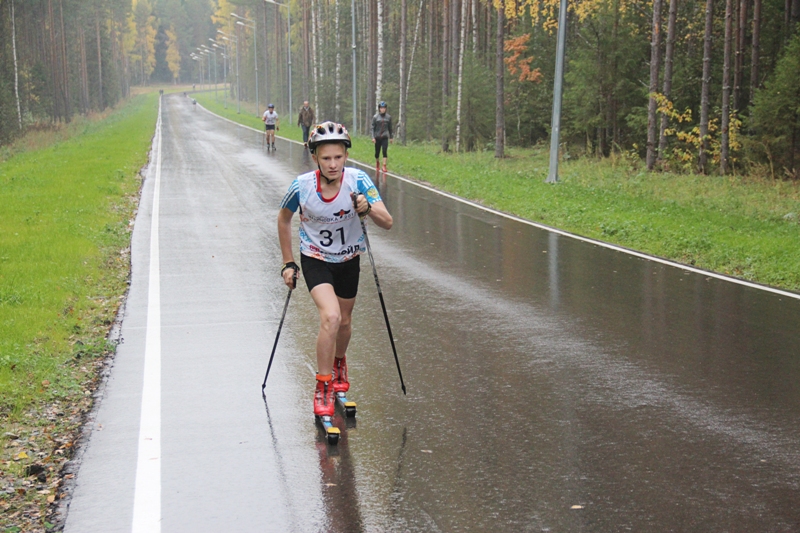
<point x="280" y="326"/>
<point x="354" y="197"/>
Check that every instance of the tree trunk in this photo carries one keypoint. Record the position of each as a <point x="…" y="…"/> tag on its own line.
<point x="101" y="100"/>
<point x="704" y="102"/>
<point x="655" y="67"/>
<point x="54" y="65"/>
<point x="16" y="68"/>
<point x="667" y="88"/>
<point x="83" y="74"/>
<point x="756" y="51"/>
<point x="401" y="114"/>
<point x="64" y="65"/>
<point x="738" y="69"/>
<point x="306" y="52"/>
<point x="500" y="120"/>
<point x="461" y="51"/>
<point x="430" y="25"/>
<point x="474" y="12"/>
<point x="794" y="18"/>
<point x="379" y="60"/>
<point x="338" y="75"/>
<point x="613" y="103"/>
<point x="726" y="90"/>
<point x="411" y="64"/>
<point x="445" y="71"/>
<point x="267" y="77"/>
<point x="314" y="58"/>
<point x="454" y="41"/>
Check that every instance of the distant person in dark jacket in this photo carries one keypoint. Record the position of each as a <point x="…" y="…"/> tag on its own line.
<point x="382" y="135"/>
<point x="305" y="120"/>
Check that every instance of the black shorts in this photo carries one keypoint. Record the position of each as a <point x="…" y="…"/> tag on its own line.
<point x="342" y="276"/>
<point x="381" y="143"/>
<point x="269" y="127"/>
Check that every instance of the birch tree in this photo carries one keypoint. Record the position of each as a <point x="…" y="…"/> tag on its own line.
<point x="379" y="59"/>
<point x="16" y="66"/>
<point x="338" y="72"/>
<point x="461" y="49"/>
<point x="404" y="94"/>
<point x="401" y="112"/>
<point x="315" y="49"/>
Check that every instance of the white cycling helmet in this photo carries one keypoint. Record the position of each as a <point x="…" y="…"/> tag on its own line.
<point x="328" y="132"/>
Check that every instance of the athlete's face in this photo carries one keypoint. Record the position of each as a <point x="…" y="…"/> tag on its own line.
<point x="331" y="159"/>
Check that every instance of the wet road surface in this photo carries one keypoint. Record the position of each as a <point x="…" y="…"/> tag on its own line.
<point x="553" y="384"/>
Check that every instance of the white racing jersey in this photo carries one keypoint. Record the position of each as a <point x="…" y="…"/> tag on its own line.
<point x="329" y="227"/>
<point x="270" y="118"/>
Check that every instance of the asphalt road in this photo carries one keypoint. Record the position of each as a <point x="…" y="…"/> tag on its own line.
<point x="553" y="384"/>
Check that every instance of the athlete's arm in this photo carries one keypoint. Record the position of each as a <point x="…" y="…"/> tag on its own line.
<point x="376" y="211"/>
<point x="285" y="239"/>
<point x="380" y="215"/>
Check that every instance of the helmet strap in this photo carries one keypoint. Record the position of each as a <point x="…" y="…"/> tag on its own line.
<point x="325" y="177"/>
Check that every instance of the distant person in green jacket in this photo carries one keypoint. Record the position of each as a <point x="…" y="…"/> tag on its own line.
<point x="382" y="134"/>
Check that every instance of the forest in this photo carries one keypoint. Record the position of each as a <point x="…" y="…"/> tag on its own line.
<point x="710" y="86"/>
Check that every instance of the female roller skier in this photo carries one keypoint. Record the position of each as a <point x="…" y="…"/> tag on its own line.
<point x="331" y="242"/>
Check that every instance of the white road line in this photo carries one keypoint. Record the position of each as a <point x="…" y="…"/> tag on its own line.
<point x="147" y="497"/>
<point x="610" y="246"/>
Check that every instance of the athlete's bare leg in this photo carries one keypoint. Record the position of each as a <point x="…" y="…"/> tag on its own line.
<point x="335" y="315"/>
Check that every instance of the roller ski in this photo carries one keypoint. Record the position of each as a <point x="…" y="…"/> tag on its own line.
<point x="341" y="385"/>
<point x="332" y="433"/>
<point x="324" y="406"/>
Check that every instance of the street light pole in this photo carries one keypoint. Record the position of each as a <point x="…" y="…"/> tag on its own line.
<point x="555" y="131"/>
<point x="199" y="59"/>
<point x="213" y="51"/>
<point x="238" y="79"/>
<point x="226" y="55"/>
<point x="288" y="45"/>
<point x="203" y="52"/>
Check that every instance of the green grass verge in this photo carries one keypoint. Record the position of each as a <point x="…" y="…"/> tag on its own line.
<point x="64" y="231"/>
<point x="743" y="227"/>
<point x="68" y="197"/>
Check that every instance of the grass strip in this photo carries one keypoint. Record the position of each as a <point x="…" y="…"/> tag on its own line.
<point x="743" y="227"/>
<point x="64" y="267"/>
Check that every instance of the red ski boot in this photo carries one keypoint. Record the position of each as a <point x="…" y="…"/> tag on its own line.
<point x="324" y="399"/>
<point x="340" y="381"/>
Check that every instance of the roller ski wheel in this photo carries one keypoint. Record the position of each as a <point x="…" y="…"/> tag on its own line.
<point x="332" y="433"/>
<point x="347" y="406"/>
